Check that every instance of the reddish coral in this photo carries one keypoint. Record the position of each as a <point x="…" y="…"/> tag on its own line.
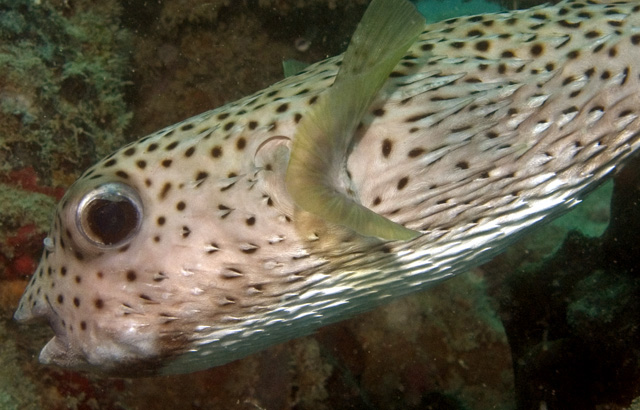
<point x="27" y="179"/>
<point x="26" y="245"/>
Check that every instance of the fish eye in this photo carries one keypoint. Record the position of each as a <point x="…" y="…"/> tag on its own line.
<point x="110" y="215"/>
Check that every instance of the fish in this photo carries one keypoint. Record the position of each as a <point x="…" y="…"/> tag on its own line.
<point x="421" y="152"/>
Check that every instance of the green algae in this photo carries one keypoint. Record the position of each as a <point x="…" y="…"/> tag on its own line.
<point x="17" y="391"/>
<point x="62" y="85"/>
<point x="21" y="208"/>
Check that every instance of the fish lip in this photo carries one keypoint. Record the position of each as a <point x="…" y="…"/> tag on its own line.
<point x="58" y="352"/>
<point x="23" y="314"/>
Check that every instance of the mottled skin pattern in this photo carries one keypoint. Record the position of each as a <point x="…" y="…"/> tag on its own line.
<point x="488" y="125"/>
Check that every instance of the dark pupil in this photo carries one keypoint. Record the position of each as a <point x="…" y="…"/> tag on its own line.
<point x="111" y="221"/>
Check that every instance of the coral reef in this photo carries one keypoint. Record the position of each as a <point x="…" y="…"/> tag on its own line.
<point x="62" y="81"/>
<point x="192" y="57"/>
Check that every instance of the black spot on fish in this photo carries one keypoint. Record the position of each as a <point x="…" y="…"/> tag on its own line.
<point x="482" y="45"/>
<point x="180" y="206"/>
<point x="387" y="146"/>
<point x="171" y="146"/>
<point x="592" y="34"/>
<point x="161" y="220"/>
<point x="216" y="151"/>
<point x="625" y="76"/>
<point x="166" y="163"/>
<point x="416" y="152"/>
<point x="131" y="276"/>
<point x="152" y="147"/>
<point x="566" y="24"/>
<point x="419" y="117"/>
<point x="129" y="152"/>
<point x="427" y="47"/>
<point x="241" y="143"/>
<point x="536" y="49"/>
<point x="165" y="190"/>
<point x="402" y="183"/>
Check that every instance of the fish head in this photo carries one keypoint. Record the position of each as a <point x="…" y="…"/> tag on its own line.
<point x="91" y="284"/>
<point x="175" y="233"/>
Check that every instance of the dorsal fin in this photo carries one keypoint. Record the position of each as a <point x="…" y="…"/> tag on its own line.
<point x="317" y="167"/>
<point x="292" y="67"/>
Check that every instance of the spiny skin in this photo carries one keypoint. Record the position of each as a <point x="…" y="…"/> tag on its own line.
<point x="488" y="125"/>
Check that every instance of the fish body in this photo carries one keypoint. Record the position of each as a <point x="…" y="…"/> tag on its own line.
<point x="486" y="126"/>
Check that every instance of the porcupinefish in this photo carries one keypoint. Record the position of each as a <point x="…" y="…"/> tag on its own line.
<point x="421" y="152"/>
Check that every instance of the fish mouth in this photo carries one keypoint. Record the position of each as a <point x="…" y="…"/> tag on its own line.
<point x="23" y="314"/>
<point x="58" y="352"/>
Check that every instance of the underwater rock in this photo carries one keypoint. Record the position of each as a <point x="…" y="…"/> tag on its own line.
<point x="573" y="323"/>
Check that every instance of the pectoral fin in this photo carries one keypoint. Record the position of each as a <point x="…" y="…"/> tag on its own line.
<point x="317" y="167"/>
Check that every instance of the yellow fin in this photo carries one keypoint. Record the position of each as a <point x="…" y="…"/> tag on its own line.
<point x="316" y="173"/>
